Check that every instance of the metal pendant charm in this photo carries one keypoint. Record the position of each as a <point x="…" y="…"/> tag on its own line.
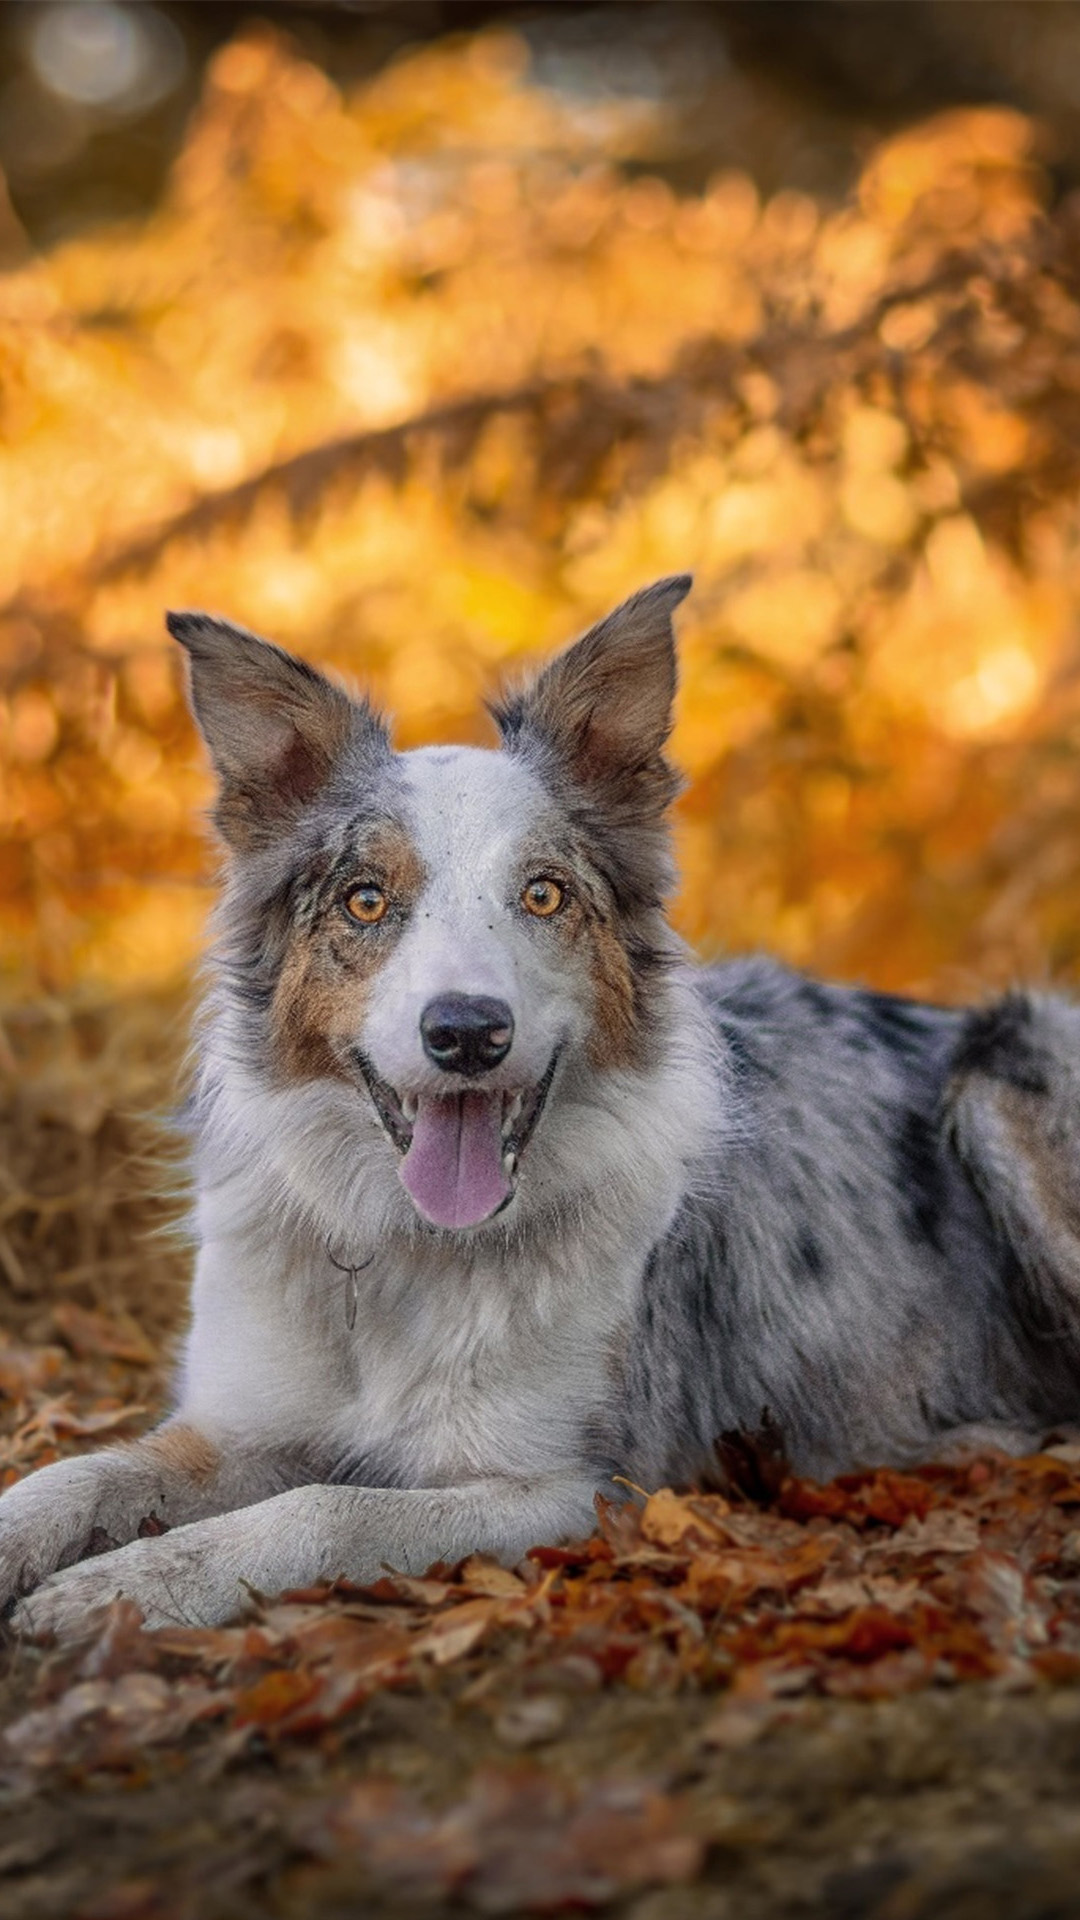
<point x="352" y="1292"/>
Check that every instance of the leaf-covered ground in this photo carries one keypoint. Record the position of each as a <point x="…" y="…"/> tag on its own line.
<point x="856" y="1699"/>
<point x="776" y="1699"/>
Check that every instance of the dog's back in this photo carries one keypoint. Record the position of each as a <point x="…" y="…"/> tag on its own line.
<point x="848" y="1263"/>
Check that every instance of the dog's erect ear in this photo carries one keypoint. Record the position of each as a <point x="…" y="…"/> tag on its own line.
<point x="604" y="707"/>
<point x="276" y="729"/>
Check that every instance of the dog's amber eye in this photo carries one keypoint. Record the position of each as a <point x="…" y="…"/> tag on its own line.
<point x="367" y="904"/>
<point x="542" y="897"/>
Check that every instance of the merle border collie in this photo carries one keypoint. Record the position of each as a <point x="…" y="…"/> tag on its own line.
<point x="499" y="1195"/>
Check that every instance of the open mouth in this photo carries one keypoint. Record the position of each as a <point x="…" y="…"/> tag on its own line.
<point x="459" y="1151"/>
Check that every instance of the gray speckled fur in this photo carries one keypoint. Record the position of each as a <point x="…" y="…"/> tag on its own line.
<point x="845" y="1272"/>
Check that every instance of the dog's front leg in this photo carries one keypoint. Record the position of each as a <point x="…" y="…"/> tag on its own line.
<point x="200" y="1574"/>
<point x="93" y="1503"/>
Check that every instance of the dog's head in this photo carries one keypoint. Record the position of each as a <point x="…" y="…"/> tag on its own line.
<point x="455" y="940"/>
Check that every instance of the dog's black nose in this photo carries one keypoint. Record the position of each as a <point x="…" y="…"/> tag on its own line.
<point x="464" y="1033"/>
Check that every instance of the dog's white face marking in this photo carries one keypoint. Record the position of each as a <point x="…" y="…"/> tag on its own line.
<point x="482" y="828"/>
<point x="475" y="818"/>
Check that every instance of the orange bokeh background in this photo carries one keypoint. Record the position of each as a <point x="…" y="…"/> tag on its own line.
<point x="419" y="379"/>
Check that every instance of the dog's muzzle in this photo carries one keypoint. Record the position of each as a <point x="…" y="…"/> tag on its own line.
<point x="459" y="1151"/>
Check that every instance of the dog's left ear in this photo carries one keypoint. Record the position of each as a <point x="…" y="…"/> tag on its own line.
<point x="603" y="709"/>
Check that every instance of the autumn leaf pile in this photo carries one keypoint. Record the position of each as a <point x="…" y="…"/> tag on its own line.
<point x="876" y="1585"/>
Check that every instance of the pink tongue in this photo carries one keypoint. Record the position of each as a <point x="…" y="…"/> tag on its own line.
<point x="453" y="1168"/>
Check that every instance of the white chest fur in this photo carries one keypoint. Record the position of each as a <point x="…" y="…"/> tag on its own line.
<point x="455" y="1369"/>
<point x="463" y="1373"/>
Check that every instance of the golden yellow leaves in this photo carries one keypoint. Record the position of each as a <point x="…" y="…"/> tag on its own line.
<point x="857" y="425"/>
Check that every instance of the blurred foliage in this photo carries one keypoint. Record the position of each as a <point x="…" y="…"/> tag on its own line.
<point x="420" y="379"/>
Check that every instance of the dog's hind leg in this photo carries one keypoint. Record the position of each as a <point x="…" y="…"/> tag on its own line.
<point x="1012" y="1112"/>
<point x="93" y="1503"/>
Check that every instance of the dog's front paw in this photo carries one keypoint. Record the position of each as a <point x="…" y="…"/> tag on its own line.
<point x="46" y="1520"/>
<point x="63" y="1512"/>
<point x="167" y="1579"/>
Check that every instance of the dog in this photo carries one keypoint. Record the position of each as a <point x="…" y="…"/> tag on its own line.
<point x="499" y="1196"/>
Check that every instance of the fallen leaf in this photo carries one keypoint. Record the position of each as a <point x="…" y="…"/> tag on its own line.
<point x="456" y="1632"/>
<point x="948" y="1530"/>
<point x="479" y="1574"/>
<point x="274" y="1697"/>
<point x="669" y="1519"/>
<point x="90" y="1334"/>
<point x="25" y="1368"/>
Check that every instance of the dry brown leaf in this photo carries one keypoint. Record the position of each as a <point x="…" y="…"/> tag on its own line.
<point x="90" y="1334"/>
<point x="670" y="1519"/>
<point x="457" y="1631"/>
<point x="25" y="1368"/>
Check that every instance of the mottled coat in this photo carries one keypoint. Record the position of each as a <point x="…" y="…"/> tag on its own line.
<point x="499" y="1195"/>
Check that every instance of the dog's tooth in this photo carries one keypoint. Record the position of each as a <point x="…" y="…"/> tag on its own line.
<point x="514" y="1106"/>
<point x="409" y="1106"/>
<point x="509" y="1164"/>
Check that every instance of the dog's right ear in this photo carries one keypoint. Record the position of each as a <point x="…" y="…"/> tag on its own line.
<point x="276" y="729"/>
